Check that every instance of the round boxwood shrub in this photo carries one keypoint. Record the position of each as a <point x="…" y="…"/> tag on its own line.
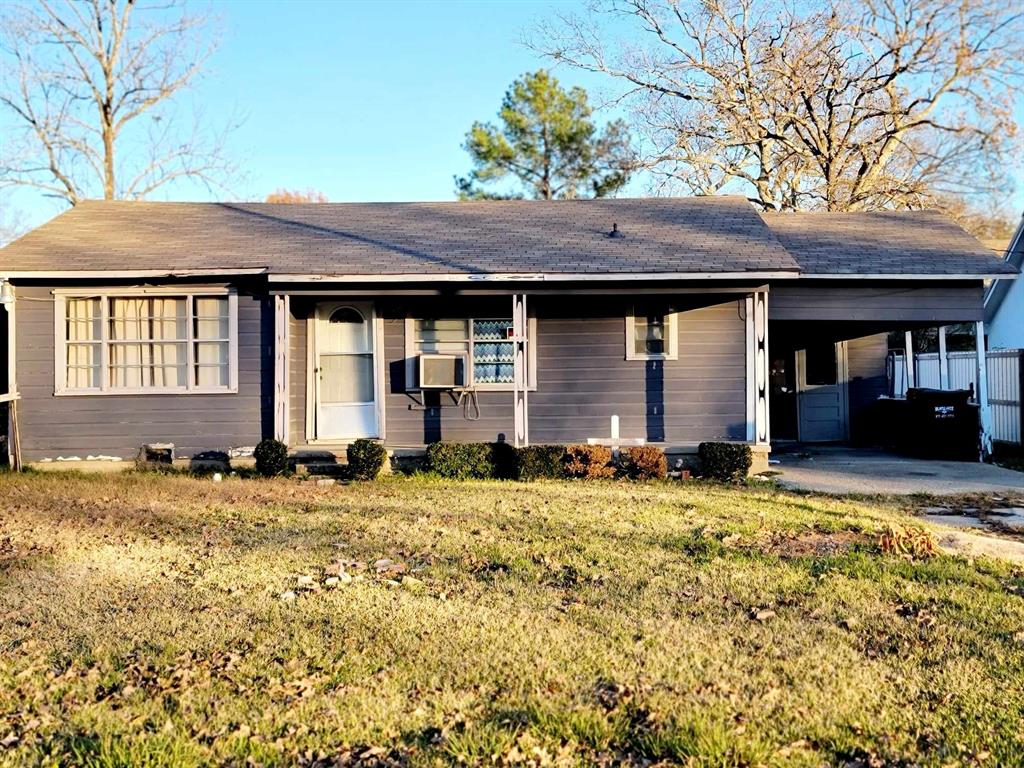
<point x="588" y="461"/>
<point x="540" y="461"/>
<point x="728" y="462"/>
<point x="271" y="457"/>
<point x="366" y="458"/>
<point x="461" y="461"/>
<point x="644" y="462"/>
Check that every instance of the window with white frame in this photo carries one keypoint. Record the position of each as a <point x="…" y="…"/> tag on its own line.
<point x="487" y="344"/>
<point x="651" y="336"/>
<point x="142" y="342"/>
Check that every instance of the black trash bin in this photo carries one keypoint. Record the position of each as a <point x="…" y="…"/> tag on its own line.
<point x="941" y="424"/>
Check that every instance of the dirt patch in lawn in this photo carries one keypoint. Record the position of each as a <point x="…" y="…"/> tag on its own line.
<point x="812" y="544"/>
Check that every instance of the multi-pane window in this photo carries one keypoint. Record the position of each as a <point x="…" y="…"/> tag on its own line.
<point x="142" y="343"/>
<point x="487" y="344"/>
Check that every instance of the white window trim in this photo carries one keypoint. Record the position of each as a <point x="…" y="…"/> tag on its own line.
<point x="531" y="355"/>
<point x="60" y="297"/>
<point x="671" y="324"/>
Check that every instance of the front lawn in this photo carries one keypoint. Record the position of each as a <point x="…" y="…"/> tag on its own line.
<point x="152" y="620"/>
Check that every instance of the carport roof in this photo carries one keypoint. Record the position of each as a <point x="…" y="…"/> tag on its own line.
<point x="884" y="243"/>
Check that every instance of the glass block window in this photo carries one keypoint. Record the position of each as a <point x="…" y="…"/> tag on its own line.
<point x="486" y="342"/>
<point x="493" y="352"/>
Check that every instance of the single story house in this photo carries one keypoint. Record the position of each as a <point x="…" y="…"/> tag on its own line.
<point x="1004" y="301"/>
<point x="212" y="325"/>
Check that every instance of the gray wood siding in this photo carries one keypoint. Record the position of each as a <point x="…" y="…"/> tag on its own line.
<point x="442" y="420"/>
<point x="865" y="362"/>
<point x="957" y="302"/>
<point x="118" y="425"/>
<point x="583" y="378"/>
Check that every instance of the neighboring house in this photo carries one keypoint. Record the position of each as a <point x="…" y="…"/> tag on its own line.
<point x="1004" y="301"/>
<point x="211" y="326"/>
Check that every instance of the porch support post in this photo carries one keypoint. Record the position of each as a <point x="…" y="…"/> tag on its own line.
<point x="943" y="359"/>
<point x="758" y="427"/>
<point x="282" y="310"/>
<point x="981" y="393"/>
<point x="908" y="358"/>
<point x="520" y="378"/>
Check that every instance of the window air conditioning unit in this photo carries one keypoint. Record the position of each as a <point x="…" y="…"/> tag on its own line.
<point x="438" y="371"/>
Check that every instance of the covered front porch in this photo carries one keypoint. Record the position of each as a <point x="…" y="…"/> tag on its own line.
<point x="545" y="365"/>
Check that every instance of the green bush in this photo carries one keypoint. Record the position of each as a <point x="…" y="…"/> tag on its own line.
<point x="540" y="461"/>
<point x="588" y="461"/>
<point x="728" y="462"/>
<point x="504" y="461"/>
<point x="271" y="457"/>
<point x="366" y="458"/>
<point x="461" y="461"/>
<point x="644" y="462"/>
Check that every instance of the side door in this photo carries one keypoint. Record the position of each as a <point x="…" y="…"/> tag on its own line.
<point x="822" y="392"/>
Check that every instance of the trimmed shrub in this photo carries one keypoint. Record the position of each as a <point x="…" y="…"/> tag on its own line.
<point x="366" y="458"/>
<point x="461" y="461"/>
<point x="271" y="457"/>
<point x="644" y="462"/>
<point x="504" y="461"/>
<point x="588" y="461"/>
<point x="540" y="461"/>
<point x="728" y="462"/>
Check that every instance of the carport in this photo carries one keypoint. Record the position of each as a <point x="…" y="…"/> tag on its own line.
<point x="864" y="276"/>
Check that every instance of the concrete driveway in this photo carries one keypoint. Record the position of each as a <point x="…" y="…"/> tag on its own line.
<point x="852" y="470"/>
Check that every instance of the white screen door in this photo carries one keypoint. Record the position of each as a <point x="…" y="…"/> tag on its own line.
<point x="821" y="392"/>
<point x="344" y="372"/>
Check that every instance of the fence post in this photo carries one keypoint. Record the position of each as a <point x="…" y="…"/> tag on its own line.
<point x="981" y="389"/>
<point x="943" y="359"/>
<point x="1020" y="394"/>
<point x="908" y="359"/>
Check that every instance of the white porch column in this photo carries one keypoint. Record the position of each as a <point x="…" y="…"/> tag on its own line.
<point x="908" y="358"/>
<point x="981" y="393"/>
<point x="282" y="312"/>
<point x="520" y="377"/>
<point x="943" y="359"/>
<point x="758" y="428"/>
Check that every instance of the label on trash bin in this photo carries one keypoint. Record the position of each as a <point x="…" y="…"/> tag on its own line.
<point x="945" y="411"/>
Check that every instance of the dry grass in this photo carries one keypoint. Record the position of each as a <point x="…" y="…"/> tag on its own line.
<point x="141" y="623"/>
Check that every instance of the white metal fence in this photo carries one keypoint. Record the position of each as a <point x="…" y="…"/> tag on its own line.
<point x="1004" y="384"/>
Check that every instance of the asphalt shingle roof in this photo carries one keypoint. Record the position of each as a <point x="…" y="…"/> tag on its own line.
<point x="711" y="234"/>
<point x="707" y="235"/>
<point x="883" y="243"/>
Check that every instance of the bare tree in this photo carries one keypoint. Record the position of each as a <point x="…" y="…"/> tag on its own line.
<point x="846" y="106"/>
<point x="92" y="86"/>
<point x="282" y="195"/>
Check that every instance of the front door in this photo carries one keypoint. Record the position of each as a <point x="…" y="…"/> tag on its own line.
<point x="821" y="392"/>
<point x="345" y="376"/>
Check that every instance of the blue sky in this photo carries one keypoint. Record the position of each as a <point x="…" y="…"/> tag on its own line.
<point x="362" y="101"/>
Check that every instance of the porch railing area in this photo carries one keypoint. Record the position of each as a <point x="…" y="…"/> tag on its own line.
<point x="1005" y="371"/>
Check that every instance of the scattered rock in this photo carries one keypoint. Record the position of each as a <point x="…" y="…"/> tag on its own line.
<point x="763" y="615"/>
<point x="331" y="581"/>
<point x="325" y="481"/>
<point x="411" y="582"/>
<point x="288" y="597"/>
